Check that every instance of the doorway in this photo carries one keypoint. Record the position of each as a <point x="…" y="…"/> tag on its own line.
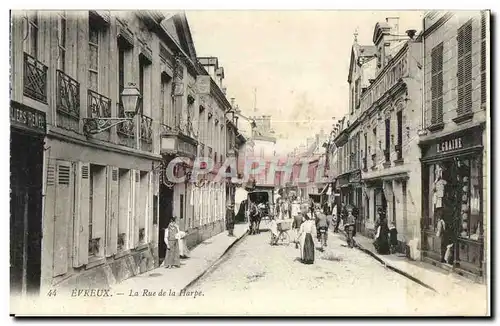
<point x="165" y="214"/>
<point x="26" y="166"/>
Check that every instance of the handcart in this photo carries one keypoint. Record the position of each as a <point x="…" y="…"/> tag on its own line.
<point x="283" y="236"/>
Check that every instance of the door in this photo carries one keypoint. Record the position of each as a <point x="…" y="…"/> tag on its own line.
<point x="26" y="165"/>
<point x="165" y="214"/>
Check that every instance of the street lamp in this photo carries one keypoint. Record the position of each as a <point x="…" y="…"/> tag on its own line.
<point x="131" y="99"/>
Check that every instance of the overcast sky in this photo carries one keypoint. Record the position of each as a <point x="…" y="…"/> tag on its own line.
<point x="297" y="60"/>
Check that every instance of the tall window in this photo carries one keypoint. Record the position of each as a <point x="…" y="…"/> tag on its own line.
<point x="357" y="92"/>
<point x="94" y="57"/>
<point x="61" y="40"/>
<point x="483" y="57"/>
<point x="374" y="145"/>
<point x="121" y="70"/>
<point x="399" y="145"/>
<point x="366" y="150"/>
<point x="437" y="84"/>
<point x="387" y="150"/>
<point x="32" y="45"/>
<point x="464" y="69"/>
<point x="142" y="64"/>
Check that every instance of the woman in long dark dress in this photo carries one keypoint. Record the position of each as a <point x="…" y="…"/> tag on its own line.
<point x="306" y="232"/>
<point x="172" y="258"/>
<point x="382" y="238"/>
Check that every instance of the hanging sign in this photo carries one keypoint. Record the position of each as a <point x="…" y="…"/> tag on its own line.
<point x="203" y="84"/>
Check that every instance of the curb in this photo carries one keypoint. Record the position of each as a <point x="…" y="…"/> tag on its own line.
<point x="193" y="281"/>
<point x="391" y="267"/>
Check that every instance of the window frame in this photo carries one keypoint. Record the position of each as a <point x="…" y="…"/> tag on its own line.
<point x="62" y="39"/>
<point x="464" y="69"/>
<point x="90" y="70"/>
<point x="437" y="85"/>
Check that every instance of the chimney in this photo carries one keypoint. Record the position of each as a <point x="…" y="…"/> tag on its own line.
<point x="411" y="33"/>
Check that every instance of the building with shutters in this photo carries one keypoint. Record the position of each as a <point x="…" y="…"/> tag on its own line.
<point x="103" y="209"/>
<point x="454" y="138"/>
<point x="378" y="140"/>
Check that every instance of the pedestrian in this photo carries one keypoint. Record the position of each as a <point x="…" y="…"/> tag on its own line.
<point x="230" y="219"/>
<point x="442" y="232"/>
<point x="393" y="237"/>
<point x="340" y="216"/>
<point x="306" y="233"/>
<point x="322" y="225"/>
<point x="172" y="257"/>
<point x="349" y="228"/>
<point x="381" y="238"/>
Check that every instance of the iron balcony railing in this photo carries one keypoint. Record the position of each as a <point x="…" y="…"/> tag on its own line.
<point x="146" y="134"/>
<point x="99" y="106"/>
<point x="35" y="79"/>
<point x="125" y="129"/>
<point x="68" y="95"/>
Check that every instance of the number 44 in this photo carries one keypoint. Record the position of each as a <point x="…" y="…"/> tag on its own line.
<point x="52" y="293"/>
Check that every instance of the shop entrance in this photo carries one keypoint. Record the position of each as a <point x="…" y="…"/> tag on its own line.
<point x="380" y="202"/>
<point x="165" y="214"/>
<point x="26" y="166"/>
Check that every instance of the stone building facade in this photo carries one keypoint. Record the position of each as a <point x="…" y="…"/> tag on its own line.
<point x="454" y="138"/>
<point x="92" y="208"/>
<point x="380" y="167"/>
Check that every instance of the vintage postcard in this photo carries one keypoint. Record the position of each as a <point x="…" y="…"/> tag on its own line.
<point x="256" y="163"/>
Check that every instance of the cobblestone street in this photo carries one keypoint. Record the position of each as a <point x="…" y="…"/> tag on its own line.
<point x="256" y="278"/>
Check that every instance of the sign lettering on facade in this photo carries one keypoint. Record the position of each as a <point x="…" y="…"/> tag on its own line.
<point x="386" y="82"/>
<point x="28" y="118"/>
<point x="203" y="84"/>
<point x="449" y="145"/>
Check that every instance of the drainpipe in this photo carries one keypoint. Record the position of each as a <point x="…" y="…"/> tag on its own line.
<point x="422" y="122"/>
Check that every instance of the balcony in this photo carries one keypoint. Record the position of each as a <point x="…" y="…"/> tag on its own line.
<point x="125" y="130"/>
<point x="68" y="102"/>
<point x="146" y="133"/>
<point x="35" y="79"/>
<point x="175" y="143"/>
<point x="99" y="106"/>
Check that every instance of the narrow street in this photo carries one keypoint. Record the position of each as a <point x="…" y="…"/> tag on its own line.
<point x="256" y="278"/>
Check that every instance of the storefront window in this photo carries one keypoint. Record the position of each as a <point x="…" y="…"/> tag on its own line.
<point x="475" y="228"/>
<point x="455" y="188"/>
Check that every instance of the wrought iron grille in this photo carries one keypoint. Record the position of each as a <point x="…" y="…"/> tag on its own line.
<point x="127" y="128"/>
<point x="94" y="246"/>
<point x="35" y="79"/>
<point x="68" y="95"/>
<point x="146" y="129"/>
<point x="99" y="105"/>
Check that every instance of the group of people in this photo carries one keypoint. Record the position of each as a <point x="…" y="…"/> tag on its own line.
<point x="386" y="237"/>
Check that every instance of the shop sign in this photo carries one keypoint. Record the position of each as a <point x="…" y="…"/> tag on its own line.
<point x="449" y="145"/>
<point x="26" y="118"/>
<point x="385" y="82"/>
<point x="203" y="84"/>
<point x="454" y="143"/>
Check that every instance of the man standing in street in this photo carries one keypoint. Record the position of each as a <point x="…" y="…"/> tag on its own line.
<point x="230" y="219"/>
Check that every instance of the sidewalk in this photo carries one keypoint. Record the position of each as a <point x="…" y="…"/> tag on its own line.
<point x="437" y="279"/>
<point x="202" y="257"/>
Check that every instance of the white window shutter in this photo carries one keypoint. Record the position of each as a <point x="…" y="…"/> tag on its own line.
<point x="137" y="206"/>
<point x="63" y="215"/>
<point x="112" y="216"/>
<point x="82" y="213"/>
<point x="131" y="212"/>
